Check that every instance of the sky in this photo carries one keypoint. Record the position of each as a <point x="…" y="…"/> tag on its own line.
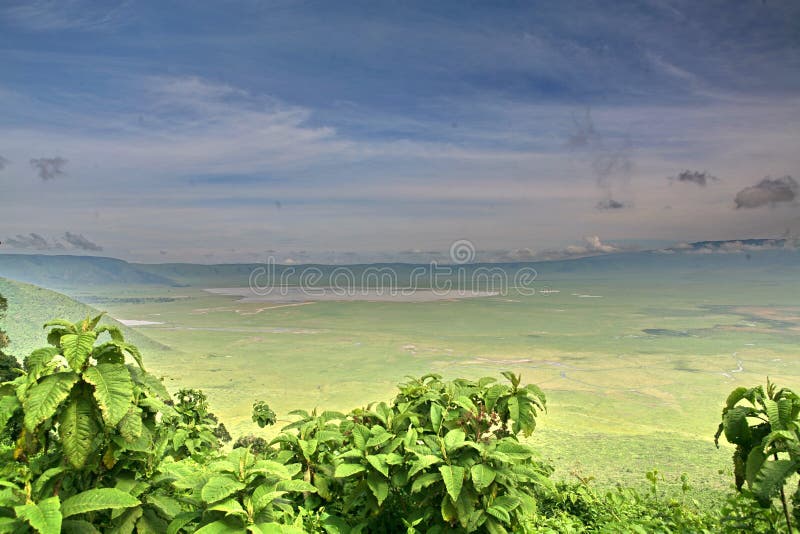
<point x="385" y="131"/>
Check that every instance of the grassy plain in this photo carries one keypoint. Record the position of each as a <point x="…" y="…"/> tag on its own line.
<point x="635" y="374"/>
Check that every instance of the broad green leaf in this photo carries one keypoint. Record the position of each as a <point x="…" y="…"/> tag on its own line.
<point x="509" y="502"/>
<point x="44" y="478"/>
<point x="514" y="379"/>
<point x="77" y="347"/>
<point x="79" y="526"/>
<point x="307" y="447"/>
<point x="130" y="427"/>
<point x="423" y="462"/>
<point x="466" y="403"/>
<point x="500" y="513"/>
<point x="181" y="520"/>
<point x="277" y="528"/>
<point x="454" y="440"/>
<point x="91" y="323"/>
<point x="424" y="481"/>
<point x="108" y="353"/>
<point x="264" y="495"/>
<point x="735" y="396"/>
<point x="219" y="527"/>
<point x="133" y="351"/>
<point x="737" y="429"/>
<point x="150" y="523"/>
<point x="61" y="322"/>
<point x="219" y="487"/>
<point x="97" y="499"/>
<point x="151" y="383"/>
<point x="38" y="359"/>
<point x="464" y="508"/>
<point x="755" y="460"/>
<point x="378" y="461"/>
<point x="8" y="405"/>
<point x="482" y="476"/>
<point x="348" y="470"/>
<point x="168" y="506"/>
<point x="771" y="477"/>
<point x="774" y="414"/>
<point x="379" y="438"/>
<point x="295" y="485"/>
<point x="379" y="487"/>
<point x="515" y="450"/>
<point x="271" y="467"/>
<point x="113" y="331"/>
<point x="493" y="527"/>
<point x="44" y="397"/>
<point x="453" y="477"/>
<point x="44" y="516"/>
<point x="230" y="507"/>
<point x="494" y="393"/>
<point x="78" y="430"/>
<point x="113" y="390"/>
<point x="437" y="413"/>
<point x="125" y="522"/>
<point x="360" y="436"/>
<point x="513" y="408"/>
<point x="785" y="412"/>
<point x="448" y="510"/>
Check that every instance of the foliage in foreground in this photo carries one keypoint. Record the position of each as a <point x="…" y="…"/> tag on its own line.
<point x="93" y="443"/>
<point x="763" y="424"/>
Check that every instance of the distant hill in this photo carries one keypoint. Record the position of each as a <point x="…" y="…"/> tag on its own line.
<point x="29" y="307"/>
<point x="59" y="272"/>
<point x="750" y="258"/>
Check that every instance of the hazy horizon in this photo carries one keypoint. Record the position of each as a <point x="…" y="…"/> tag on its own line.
<point x="384" y="132"/>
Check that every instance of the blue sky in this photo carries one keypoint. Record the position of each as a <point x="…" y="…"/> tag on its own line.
<point x="327" y="131"/>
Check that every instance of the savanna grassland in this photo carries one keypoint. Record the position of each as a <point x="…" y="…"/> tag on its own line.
<point x="635" y="369"/>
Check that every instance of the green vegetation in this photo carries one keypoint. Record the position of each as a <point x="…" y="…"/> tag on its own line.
<point x="91" y="442"/>
<point x="32" y="306"/>
<point x="765" y="432"/>
<point x="9" y="366"/>
<point x="627" y="401"/>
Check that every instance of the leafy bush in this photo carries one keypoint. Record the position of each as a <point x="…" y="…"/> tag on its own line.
<point x="441" y="455"/>
<point x="765" y="432"/>
<point x="90" y="442"/>
<point x="84" y="424"/>
<point x="196" y="431"/>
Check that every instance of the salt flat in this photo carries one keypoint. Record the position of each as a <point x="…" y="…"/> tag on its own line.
<point x="296" y="294"/>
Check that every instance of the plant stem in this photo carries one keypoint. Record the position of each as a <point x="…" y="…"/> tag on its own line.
<point x="786" y="510"/>
<point x="785" y="505"/>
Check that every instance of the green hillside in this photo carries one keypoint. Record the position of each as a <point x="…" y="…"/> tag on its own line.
<point x="65" y="271"/>
<point x="29" y="307"/>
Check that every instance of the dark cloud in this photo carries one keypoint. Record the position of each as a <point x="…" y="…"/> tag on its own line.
<point x="611" y="204"/>
<point x="695" y="177"/>
<point x="768" y="192"/>
<point x="3" y="163"/>
<point x="33" y="241"/>
<point x="49" y="168"/>
<point x="78" y="241"/>
<point x="68" y="241"/>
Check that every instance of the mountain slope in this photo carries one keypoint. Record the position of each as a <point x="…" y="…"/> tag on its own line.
<point x="29" y="307"/>
<point x="56" y="271"/>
